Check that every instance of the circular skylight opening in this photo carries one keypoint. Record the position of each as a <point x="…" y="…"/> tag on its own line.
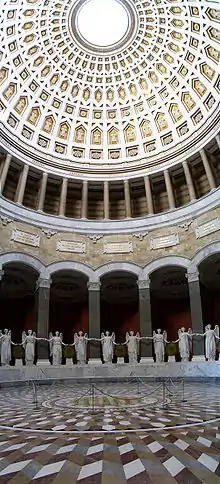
<point x="102" y="22"/>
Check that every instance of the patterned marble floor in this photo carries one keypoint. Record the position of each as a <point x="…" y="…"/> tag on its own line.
<point x="92" y="435"/>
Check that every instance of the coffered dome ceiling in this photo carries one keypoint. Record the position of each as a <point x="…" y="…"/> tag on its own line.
<point x="149" y="96"/>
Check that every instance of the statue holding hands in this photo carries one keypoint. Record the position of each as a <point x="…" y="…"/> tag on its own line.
<point x="211" y="335"/>
<point x="184" y="341"/>
<point x="5" y="347"/>
<point x="55" y="343"/>
<point x="159" y="340"/>
<point x="133" y="343"/>
<point x="80" y="342"/>
<point x="107" y="342"/>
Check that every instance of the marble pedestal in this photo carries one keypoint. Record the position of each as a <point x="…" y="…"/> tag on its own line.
<point x="94" y="361"/>
<point x="146" y="360"/>
<point x="111" y="372"/>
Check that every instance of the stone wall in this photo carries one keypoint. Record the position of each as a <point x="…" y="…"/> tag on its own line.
<point x="183" y="239"/>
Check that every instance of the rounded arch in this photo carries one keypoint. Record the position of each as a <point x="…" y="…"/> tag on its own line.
<point x="169" y="260"/>
<point x="70" y="266"/>
<point x="206" y="252"/>
<point x="22" y="258"/>
<point x="118" y="266"/>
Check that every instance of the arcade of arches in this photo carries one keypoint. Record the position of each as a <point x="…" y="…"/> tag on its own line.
<point x="120" y="301"/>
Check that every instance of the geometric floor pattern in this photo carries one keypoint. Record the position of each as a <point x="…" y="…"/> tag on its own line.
<point x="185" y="457"/>
<point x="111" y="407"/>
<point x="164" y="454"/>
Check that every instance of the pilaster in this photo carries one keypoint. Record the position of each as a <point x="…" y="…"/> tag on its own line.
<point x="94" y="318"/>
<point x="42" y="310"/>
<point x="145" y="315"/>
<point x="196" y="310"/>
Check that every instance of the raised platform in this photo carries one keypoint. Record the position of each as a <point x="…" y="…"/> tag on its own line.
<point x="198" y="370"/>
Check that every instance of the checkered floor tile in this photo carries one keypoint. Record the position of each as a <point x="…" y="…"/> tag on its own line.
<point x="181" y="443"/>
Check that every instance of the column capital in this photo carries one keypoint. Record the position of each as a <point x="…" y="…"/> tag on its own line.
<point x="94" y="286"/>
<point x="193" y="276"/>
<point x="41" y="282"/>
<point x="143" y="283"/>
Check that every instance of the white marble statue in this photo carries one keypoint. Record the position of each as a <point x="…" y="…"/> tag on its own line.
<point x="133" y="343"/>
<point x="107" y="342"/>
<point x="80" y="342"/>
<point x="6" y="347"/>
<point x="184" y="344"/>
<point x="159" y="340"/>
<point x="190" y="333"/>
<point x="211" y="335"/>
<point x="28" y="343"/>
<point x="56" y="347"/>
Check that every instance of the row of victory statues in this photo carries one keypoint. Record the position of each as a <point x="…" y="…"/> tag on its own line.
<point x="107" y="340"/>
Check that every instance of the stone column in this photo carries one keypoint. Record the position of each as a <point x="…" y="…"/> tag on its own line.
<point x="63" y="196"/>
<point x="42" y="306"/>
<point x="84" y="199"/>
<point x="145" y="316"/>
<point x="43" y="191"/>
<point x="22" y="184"/>
<point x="148" y="191"/>
<point x="5" y="172"/>
<point x="169" y="189"/>
<point x="196" y="311"/>
<point x="218" y="140"/>
<point x="94" y="321"/>
<point x="208" y="169"/>
<point x="106" y="200"/>
<point x="127" y="199"/>
<point x="189" y="181"/>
